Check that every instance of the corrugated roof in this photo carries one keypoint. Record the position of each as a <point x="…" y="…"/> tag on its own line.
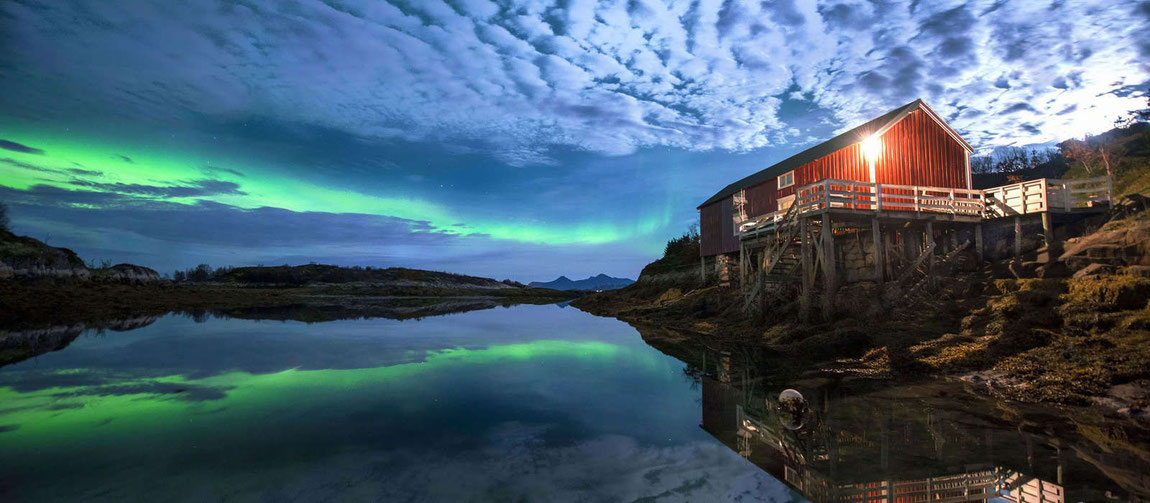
<point x="879" y="124"/>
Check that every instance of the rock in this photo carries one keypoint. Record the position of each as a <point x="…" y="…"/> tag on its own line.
<point x="129" y="274"/>
<point x="1141" y="271"/>
<point x="1094" y="269"/>
<point x="671" y="295"/>
<point x="1054" y="270"/>
<point x="1118" y="243"/>
<point x="861" y="300"/>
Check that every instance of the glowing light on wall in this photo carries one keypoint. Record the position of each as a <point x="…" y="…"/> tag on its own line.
<point x="872" y="148"/>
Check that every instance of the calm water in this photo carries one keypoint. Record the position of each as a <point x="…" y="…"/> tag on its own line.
<point x="534" y="403"/>
<point x="528" y="403"/>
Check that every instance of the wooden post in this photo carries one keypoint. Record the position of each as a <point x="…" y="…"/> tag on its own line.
<point x="878" y="251"/>
<point x="887" y="253"/>
<point x="911" y="243"/>
<point x="1048" y="233"/>
<point x="930" y="260"/>
<point x="703" y="269"/>
<point x="742" y="266"/>
<point x="808" y="280"/>
<point x="978" y="241"/>
<point x="829" y="272"/>
<point x="1017" y="237"/>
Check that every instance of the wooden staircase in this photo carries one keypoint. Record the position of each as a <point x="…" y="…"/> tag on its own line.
<point x="782" y="259"/>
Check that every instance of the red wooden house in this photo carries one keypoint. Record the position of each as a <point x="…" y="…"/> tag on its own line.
<point x="909" y="148"/>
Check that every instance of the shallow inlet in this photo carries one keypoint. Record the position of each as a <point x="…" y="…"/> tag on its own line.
<point x="539" y="403"/>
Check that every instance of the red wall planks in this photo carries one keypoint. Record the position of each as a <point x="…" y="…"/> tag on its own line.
<point x="918" y="151"/>
<point x="761" y="198"/>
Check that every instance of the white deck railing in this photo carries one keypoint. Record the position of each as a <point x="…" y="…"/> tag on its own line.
<point x="1037" y="196"/>
<point x="1033" y="196"/>
<point x="870" y="197"/>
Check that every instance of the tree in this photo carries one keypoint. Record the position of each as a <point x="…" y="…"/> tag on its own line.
<point x="1012" y="159"/>
<point x="686" y="245"/>
<point x="1091" y="157"/>
<point x="981" y="164"/>
<point x="3" y="217"/>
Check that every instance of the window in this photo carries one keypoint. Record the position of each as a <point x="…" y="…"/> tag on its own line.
<point x="786" y="179"/>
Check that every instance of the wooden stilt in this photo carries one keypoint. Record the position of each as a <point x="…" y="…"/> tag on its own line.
<point x="829" y="271"/>
<point x="742" y="266"/>
<point x="1048" y="233"/>
<point x="1017" y="237"/>
<point x="808" y="273"/>
<point x="912" y="243"/>
<point x="703" y="269"/>
<point x="929" y="233"/>
<point x="879" y="262"/>
<point x="978" y="241"/>
<point x="887" y="254"/>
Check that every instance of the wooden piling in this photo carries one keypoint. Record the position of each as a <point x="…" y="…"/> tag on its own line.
<point x="829" y="270"/>
<point x="1048" y="233"/>
<point x="876" y="231"/>
<point x="929" y="233"/>
<point x="978" y="241"/>
<point x="1017" y="237"/>
<point x="888" y="253"/>
<point x="805" y="258"/>
<point x="742" y="266"/>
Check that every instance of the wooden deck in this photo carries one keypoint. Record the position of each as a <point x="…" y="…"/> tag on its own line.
<point x="912" y="202"/>
<point x="1046" y="195"/>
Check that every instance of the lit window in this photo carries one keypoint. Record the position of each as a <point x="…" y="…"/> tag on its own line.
<point x="786" y="179"/>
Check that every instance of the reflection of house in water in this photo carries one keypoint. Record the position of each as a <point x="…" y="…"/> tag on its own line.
<point x="870" y="447"/>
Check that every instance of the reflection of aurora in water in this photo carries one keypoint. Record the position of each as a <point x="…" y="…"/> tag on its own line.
<point x="123" y="404"/>
<point x="532" y="402"/>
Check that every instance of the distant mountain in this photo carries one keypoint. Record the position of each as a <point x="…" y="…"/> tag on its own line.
<point x="600" y="282"/>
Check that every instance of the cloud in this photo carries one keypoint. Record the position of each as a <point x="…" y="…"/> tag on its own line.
<point x="192" y="188"/>
<point x="18" y="147"/>
<point x="518" y="80"/>
<point x="216" y="170"/>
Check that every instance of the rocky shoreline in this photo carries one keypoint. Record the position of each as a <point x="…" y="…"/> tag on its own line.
<point x="1073" y="331"/>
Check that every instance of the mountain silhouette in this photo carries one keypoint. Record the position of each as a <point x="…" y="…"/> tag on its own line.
<point x="600" y="282"/>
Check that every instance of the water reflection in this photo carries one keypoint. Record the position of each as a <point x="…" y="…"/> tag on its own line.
<point x="21" y="343"/>
<point x="528" y="403"/>
<point x="533" y="403"/>
<point x="840" y="440"/>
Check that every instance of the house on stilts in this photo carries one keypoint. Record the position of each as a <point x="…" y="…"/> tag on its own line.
<point x="882" y="202"/>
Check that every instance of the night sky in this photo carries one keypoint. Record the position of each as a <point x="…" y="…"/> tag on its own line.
<point x="506" y="139"/>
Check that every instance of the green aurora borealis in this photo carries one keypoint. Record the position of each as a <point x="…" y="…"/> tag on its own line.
<point x="74" y="162"/>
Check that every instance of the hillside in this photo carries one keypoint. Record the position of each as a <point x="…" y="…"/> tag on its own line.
<point x="1124" y="153"/>
<point x="600" y="282"/>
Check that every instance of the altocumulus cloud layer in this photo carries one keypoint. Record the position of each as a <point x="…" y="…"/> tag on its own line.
<point x="625" y="113"/>
<point x="608" y="77"/>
